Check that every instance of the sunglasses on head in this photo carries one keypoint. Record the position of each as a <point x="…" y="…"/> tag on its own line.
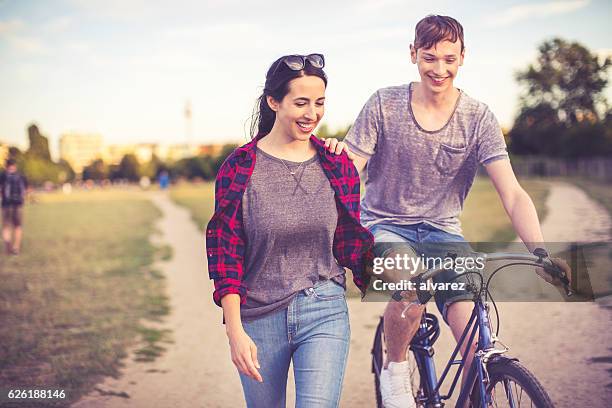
<point x="298" y="62"/>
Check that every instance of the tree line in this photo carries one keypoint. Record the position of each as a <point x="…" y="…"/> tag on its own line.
<point x="202" y="167"/>
<point x="36" y="164"/>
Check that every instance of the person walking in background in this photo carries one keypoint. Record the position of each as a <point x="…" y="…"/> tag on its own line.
<point x="164" y="180"/>
<point x="14" y="186"/>
<point x="286" y="222"/>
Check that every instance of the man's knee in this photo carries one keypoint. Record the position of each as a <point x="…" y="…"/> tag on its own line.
<point x="395" y="310"/>
<point x="459" y="313"/>
<point x="395" y="261"/>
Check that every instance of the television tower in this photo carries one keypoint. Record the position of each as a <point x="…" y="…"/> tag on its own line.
<point x="188" y="123"/>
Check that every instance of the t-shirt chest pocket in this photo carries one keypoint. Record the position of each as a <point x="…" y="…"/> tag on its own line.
<point x="450" y="158"/>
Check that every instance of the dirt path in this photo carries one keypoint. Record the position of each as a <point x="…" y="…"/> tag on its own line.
<point x="196" y="370"/>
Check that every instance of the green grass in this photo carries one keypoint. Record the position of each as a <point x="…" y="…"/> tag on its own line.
<point x="199" y="199"/>
<point x="484" y="219"/>
<point x="78" y="295"/>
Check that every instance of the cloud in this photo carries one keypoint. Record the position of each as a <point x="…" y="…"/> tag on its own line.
<point x="58" y="25"/>
<point x="11" y="32"/>
<point x="527" y="11"/>
<point x="370" y="6"/>
<point x="80" y="47"/>
<point x="603" y="53"/>
<point x="28" y="45"/>
<point x="10" y="27"/>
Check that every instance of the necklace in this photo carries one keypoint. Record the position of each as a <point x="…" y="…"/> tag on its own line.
<point x="298" y="181"/>
<point x="292" y="172"/>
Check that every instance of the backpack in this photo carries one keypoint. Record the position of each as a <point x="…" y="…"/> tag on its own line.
<point x="14" y="189"/>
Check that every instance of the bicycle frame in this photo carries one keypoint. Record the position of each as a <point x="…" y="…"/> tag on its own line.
<point x="479" y="322"/>
<point x="423" y="352"/>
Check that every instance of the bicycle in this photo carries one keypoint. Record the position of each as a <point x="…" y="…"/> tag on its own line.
<point x="493" y="378"/>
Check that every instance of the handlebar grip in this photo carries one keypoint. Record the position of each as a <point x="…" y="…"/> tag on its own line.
<point x="554" y="271"/>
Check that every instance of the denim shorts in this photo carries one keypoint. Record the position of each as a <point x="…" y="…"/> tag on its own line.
<point x="428" y="241"/>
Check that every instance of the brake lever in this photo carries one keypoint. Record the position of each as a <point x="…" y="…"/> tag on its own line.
<point x="566" y="283"/>
<point x="560" y="274"/>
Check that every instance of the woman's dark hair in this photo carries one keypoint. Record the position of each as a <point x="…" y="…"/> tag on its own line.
<point x="277" y="86"/>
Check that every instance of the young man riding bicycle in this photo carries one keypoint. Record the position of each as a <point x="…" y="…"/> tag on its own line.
<point x="422" y="144"/>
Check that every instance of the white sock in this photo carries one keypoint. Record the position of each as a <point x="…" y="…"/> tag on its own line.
<point x="398" y="368"/>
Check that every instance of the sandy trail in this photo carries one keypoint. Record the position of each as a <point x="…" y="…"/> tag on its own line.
<point x="196" y="370"/>
<point x="568" y="347"/>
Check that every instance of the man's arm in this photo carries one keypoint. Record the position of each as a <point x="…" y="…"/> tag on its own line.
<point x="523" y="214"/>
<point x="517" y="203"/>
<point x="359" y="162"/>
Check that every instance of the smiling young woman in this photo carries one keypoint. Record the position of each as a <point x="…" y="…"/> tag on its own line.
<point x="286" y="222"/>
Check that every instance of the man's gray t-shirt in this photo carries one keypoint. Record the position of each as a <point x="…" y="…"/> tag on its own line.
<point x="415" y="175"/>
<point x="290" y="222"/>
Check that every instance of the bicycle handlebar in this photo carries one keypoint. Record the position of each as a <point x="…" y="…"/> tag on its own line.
<point x="537" y="259"/>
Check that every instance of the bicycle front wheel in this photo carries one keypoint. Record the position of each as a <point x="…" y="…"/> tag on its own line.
<point x="512" y="385"/>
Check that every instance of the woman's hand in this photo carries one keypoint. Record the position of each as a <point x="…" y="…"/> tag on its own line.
<point x="244" y="353"/>
<point x="335" y="146"/>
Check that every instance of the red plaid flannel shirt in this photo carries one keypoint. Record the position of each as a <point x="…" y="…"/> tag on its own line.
<point x="225" y="236"/>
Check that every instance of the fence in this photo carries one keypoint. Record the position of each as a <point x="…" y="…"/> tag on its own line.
<point x="594" y="168"/>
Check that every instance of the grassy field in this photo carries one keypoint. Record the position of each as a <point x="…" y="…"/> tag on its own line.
<point x="483" y="218"/>
<point x="198" y="198"/>
<point x="81" y="292"/>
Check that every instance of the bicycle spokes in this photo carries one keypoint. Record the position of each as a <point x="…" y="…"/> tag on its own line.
<point x="508" y="393"/>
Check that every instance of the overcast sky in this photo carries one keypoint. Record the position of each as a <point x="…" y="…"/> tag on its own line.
<point x="125" y="68"/>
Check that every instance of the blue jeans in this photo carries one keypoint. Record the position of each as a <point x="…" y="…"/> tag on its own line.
<point x="431" y="242"/>
<point x="313" y="331"/>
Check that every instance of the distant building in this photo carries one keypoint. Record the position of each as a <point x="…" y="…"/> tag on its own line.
<point x="210" y="150"/>
<point x="4" y="151"/>
<point x="80" y="149"/>
<point x="179" y="151"/>
<point x="144" y="152"/>
<point x="112" y="154"/>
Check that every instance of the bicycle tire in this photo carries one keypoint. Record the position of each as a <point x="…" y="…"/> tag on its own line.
<point x="377" y="361"/>
<point x="378" y="358"/>
<point x="504" y="368"/>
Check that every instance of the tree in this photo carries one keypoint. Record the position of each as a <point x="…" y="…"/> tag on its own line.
<point x="197" y="166"/>
<point x="97" y="170"/>
<point x="324" y="132"/>
<point x="129" y="168"/>
<point x="39" y="145"/>
<point x="226" y="150"/>
<point x="67" y="173"/>
<point x="39" y="171"/>
<point x="561" y="90"/>
<point x="152" y="168"/>
<point x="568" y="78"/>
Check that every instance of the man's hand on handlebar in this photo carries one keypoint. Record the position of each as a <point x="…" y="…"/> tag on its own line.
<point x="555" y="278"/>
